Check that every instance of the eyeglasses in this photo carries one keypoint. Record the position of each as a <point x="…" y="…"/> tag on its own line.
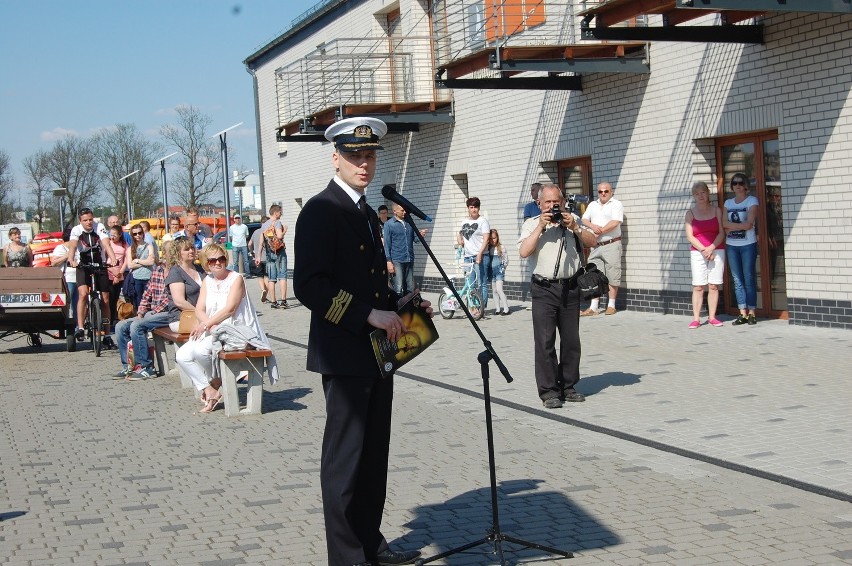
<point x="221" y="259"/>
<point x="604" y="192"/>
<point x="136" y="233"/>
<point x="740" y="183"/>
<point x="190" y="224"/>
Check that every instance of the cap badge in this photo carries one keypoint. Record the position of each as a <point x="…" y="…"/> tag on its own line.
<point x="363" y="132"/>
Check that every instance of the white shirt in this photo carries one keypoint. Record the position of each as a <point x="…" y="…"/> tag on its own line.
<point x="239" y="235"/>
<point x="99" y="230"/>
<point x="473" y="232"/>
<point x="601" y="215"/>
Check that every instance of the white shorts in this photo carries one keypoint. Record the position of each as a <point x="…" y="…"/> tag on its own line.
<point x="703" y="271"/>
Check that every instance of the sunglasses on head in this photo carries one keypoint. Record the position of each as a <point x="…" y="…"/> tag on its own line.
<point x="85" y="211"/>
<point x="218" y="259"/>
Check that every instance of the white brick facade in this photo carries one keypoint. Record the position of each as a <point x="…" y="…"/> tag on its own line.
<point x="650" y="135"/>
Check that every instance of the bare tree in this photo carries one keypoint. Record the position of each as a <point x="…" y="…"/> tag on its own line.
<point x="198" y="173"/>
<point x="120" y="151"/>
<point x="72" y="164"/>
<point x="38" y="180"/>
<point x="6" y="183"/>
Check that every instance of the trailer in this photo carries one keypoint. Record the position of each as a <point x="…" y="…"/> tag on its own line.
<point x="35" y="301"/>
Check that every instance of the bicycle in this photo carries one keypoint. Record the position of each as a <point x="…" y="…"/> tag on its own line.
<point x="94" y="316"/>
<point x="447" y="302"/>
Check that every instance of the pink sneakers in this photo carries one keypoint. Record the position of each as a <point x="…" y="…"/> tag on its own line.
<point x="694" y="324"/>
<point x="715" y="322"/>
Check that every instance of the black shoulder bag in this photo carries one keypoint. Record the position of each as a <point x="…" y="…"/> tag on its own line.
<point x="591" y="282"/>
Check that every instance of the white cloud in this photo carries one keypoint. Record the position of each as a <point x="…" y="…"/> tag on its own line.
<point x="57" y="134"/>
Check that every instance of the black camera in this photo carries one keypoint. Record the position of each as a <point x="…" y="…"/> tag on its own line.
<point x="556" y="214"/>
<point x="573" y="199"/>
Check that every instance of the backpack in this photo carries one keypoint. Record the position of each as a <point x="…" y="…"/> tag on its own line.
<point x="273" y="242"/>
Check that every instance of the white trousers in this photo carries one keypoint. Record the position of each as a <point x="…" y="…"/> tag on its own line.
<point x="195" y="358"/>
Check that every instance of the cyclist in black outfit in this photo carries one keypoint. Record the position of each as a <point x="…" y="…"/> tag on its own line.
<point x="92" y="240"/>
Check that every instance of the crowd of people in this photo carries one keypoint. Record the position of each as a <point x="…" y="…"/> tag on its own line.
<point x="144" y="286"/>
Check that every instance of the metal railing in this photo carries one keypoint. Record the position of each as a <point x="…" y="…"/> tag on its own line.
<point x="346" y="71"/>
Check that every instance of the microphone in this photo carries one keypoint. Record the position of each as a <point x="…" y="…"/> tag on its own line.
<point x="390" y="193"/>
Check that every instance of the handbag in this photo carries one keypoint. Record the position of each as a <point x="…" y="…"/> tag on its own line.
<point x="591" y="282"/>
<point x="187" y="322"/>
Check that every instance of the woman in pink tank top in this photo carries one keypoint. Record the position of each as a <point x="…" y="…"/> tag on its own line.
<point x="703" y="225"/>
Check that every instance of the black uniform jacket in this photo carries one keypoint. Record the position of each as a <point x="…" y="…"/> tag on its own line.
<point x="340" y="274"/>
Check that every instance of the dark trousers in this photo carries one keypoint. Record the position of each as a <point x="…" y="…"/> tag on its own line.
<point x="556" y="307"/>
<point x="354" y="468"/>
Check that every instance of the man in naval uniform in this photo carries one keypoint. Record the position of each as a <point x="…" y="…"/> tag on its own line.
<point x="340" y="274"/>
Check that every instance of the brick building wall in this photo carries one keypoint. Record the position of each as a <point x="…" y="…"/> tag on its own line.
<point x="651" y="135"/>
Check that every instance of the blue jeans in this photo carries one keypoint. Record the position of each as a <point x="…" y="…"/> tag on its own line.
<point x="240" y="251"/>
<point x="403" y="277"/>
<point x="136" y="330"/>
<point x="743" y="263"/>
<point x="484" y="274"/>
<point x="276" y="266"/>
<point x="140" y="285"/>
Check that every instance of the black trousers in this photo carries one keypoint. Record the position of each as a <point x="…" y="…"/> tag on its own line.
<point x="354" y="467"/>
<point x="556" y="307"/>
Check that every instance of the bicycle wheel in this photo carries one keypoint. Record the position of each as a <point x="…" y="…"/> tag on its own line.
<point x="474" y="304"/>
<point x="446" y="312"/>
<point x="95" y="321"/>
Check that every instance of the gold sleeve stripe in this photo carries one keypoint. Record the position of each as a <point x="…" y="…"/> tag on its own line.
<point x="338" y="306"/>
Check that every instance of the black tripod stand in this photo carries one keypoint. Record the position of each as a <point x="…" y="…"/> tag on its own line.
<point x="494" y="535"/>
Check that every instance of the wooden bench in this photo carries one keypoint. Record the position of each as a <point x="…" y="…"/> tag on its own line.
<point x="231" y="365"/>
<point x="163" y="336"/>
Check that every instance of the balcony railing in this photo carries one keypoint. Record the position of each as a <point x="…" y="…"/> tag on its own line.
<point x="394" y="71"/>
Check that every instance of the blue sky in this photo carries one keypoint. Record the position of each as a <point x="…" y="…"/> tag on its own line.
<point x="75" y="66"/>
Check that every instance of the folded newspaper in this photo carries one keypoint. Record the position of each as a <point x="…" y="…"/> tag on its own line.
<point x="420" y="334"/>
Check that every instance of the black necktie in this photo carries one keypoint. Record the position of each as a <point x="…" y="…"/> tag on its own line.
<point x="362" y="206"/>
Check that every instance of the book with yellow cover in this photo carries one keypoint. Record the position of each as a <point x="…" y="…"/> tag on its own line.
<point x="420" y="334"/>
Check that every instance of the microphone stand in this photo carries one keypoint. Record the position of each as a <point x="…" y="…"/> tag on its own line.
<point x="494" y="535"/>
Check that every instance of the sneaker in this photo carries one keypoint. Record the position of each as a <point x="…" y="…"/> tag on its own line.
<point x="589" y="312"/>
<point x="752" y="320"/>
<point x="283" y="304"/>
<point x="108" y="343"/>
<point x="142" y="374"/>
<point x="555" y="403"/>
<point x="694" y="324"/>
<point x="273" y="304"/>
<point x="79" y="334"/>
<point x="740" y="320"/>
<point x="715" y="322"/>
<point x="123" y="373"/>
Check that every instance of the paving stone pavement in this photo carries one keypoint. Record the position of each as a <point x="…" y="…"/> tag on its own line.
<point x="710" y="446"/>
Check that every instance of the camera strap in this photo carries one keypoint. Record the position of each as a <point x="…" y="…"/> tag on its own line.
<point x="559" y="254"/>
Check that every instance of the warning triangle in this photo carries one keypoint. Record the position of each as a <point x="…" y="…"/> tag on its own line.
<point x="58" y="302"/>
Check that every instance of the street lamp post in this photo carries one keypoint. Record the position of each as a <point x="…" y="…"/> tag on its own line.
<point x="239" y="186"/>
<point x="223" y="146"/>
<point x="162" y="161"/>
<point x="60" y="194"/>
<point x="126" y="180"/>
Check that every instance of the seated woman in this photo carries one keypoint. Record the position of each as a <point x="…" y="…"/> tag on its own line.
<point x="183" y="283"/>
<point x="223" y="300"/>
<point x="16" y="254"/>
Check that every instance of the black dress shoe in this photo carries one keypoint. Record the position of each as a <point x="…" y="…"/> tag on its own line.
<point x="391" y="558"/>
<point x="574" y="397"/>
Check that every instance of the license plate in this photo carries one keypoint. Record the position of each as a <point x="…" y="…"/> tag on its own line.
<point x="21" y="299"/>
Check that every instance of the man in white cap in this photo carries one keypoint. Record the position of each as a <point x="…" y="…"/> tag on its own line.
<point x="340" y="274"/>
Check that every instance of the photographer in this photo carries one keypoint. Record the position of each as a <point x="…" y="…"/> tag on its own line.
<point x="548" y="240"/>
